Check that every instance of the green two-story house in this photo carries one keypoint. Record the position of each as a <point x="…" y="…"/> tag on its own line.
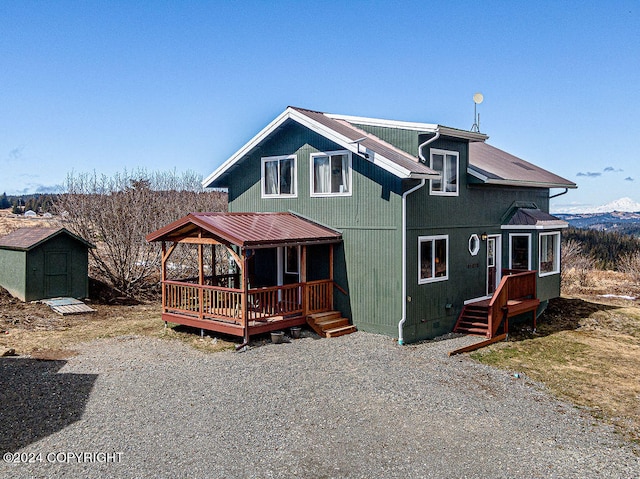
<point x="430" y="221"/>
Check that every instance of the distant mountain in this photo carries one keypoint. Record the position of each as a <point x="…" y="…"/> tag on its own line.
<point x="625" y="204"/>
<point x="619" y="221"/>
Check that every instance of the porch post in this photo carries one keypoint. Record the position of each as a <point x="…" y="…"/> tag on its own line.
<point x="331" y="246"/>
<point x="163" y="276"/>
<point x="245" y="295"/>
<point x="201" y="279"/>
<point x="303" y="280"/>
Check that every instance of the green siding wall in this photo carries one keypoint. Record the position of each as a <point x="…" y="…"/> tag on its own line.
<point x="13" y="266"/>
<point x="57" y="267"/>
<point x="368" y="262"/>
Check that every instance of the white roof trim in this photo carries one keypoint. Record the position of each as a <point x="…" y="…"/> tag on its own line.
<point x="531" y="184"/>
<point x="410" y="125"/>
<point x="344" y="142"/>
<point x="534" y="227"/>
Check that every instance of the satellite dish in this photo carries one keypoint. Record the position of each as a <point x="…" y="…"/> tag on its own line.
<point x="477" y="98"/>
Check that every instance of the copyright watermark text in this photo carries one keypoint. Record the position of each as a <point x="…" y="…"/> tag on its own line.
<point x="63" y="457"/>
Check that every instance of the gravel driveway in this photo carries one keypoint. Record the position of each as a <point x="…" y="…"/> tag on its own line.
<point x="356" y="406"/>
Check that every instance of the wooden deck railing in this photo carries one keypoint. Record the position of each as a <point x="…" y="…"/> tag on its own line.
<point x="513" y="285"/>
<point x="214" y="302"/>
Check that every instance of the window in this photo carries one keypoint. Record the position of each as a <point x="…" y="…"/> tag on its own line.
<point x="291" y="260"/>
<point x="549" y="253"/>
<point x="519" y="251"/>
<point x="433" y="256"/>
<point x="447" y="164"/>
<point x="474" y="244"/>
<point x="331" y="173"/>
<point x="279" y="176"/>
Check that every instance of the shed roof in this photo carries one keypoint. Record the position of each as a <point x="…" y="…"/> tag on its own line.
<point x="493" y="165"/>
<point x="524" y="218"/>
<point x="249" y="230"/>
<point x="25" y="239"/>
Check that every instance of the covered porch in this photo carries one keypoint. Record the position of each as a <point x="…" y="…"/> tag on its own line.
<point x="256" y="272"/>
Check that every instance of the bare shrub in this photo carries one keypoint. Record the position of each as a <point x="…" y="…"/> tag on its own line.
<point x="116" y="213"/>
<point x="630" y="264"/>
<point x="576" y="266"/>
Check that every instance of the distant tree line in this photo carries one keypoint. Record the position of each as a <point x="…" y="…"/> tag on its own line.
<point x="605" y="248"/>
<point x="38" y="202"/>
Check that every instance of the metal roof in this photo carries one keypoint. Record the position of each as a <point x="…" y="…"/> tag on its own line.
<point x="524" y="218"/>
<point x="342" y="130"/>
<point x="249" y="230"/>
<point x="492" y="165"/>
<point x="25" y="239"/>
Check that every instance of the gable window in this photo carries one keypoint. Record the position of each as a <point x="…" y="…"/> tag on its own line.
<point x="549" y="253"/>
<point x="520" y="251"/>
<point x="279" y="176"/>
<point x="447" y="163"/>
<point x="331" y="173"/>
<point x="433" y="258"/>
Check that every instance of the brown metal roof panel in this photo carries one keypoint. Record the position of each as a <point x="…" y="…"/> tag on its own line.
<point x="371" y="142"/>
<point x="498" y="165"/>
<point x="535" y="217"/>
<point x="252" y="229"/>
<point x="27" y="238"/>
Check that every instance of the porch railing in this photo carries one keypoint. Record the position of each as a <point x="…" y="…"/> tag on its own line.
<point x="513" y="285"/>
<point x="214" y="302"/>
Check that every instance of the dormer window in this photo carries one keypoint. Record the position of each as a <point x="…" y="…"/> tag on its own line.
<point x="279" y="176"/>
<point x="447" y="163"/>
<point x="331" y="173"/>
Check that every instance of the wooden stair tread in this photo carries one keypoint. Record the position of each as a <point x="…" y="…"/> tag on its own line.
<point x="330" y="324"/>
<point x="332" y="333"/>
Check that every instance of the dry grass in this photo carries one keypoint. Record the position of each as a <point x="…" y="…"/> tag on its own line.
<point x="587" y="351"/>
<point x="35" y="330"/>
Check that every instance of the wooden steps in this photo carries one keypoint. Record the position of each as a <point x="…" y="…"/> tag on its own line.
<point x="474" y="319"/>
<point x="330" y="324"/>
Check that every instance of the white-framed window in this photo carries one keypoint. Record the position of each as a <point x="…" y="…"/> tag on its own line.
<point x="447" y="163"/>
<point x="549" y="253"/>
<point x="520" y="251"/>
<point x="433" y="258"/>
<point x="279" y="176"/>
<point x="331" y="173"/>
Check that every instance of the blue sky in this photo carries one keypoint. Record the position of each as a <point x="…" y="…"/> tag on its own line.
<point x="180" y="86"/>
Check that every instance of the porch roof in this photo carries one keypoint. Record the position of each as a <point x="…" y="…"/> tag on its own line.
<point x="533" y="218"/>
<point x="248" y="230"/>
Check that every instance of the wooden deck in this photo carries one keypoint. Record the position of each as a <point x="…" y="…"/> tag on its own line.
<point x="244" y="314"/>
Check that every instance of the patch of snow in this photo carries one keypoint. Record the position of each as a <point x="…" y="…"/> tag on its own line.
<point x="632" y="298"/>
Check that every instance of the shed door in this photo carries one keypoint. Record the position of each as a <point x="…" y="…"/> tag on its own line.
<point x="56" y="274"/>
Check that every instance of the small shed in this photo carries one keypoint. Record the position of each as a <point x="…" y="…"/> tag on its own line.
<point x="38" y="263"/>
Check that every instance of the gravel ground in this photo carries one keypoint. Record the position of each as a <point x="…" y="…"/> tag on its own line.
<point x="358" y="406"/>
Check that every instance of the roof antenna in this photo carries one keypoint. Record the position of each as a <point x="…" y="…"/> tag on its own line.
<point x="477" y="99"/>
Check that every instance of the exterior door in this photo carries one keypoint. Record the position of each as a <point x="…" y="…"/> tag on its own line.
<point x="493" y="264"/>
<point x="56" y="274"/>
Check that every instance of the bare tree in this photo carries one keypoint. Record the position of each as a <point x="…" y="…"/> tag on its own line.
<point x="575" y="263"/>
<point x="116" y="213"/>
<point x="630" y="264"/>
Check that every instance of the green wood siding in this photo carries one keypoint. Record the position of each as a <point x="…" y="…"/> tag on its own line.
<point x="368" y="263"/>
<point x="13" y="266"/>
<point x="57" y="267"/>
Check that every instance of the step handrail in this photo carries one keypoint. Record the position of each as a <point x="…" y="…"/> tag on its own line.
<point x="512" y="286"/>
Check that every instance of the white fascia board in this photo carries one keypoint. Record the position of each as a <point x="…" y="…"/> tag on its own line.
<point x="533" y="227"/>
<point x="528" y="184"/>
<point x="405" y="125"/>
<point x="323" y="130"/>
<point x="413" y="126"/>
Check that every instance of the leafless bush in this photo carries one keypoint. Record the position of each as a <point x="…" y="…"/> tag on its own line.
<point x="630" y="265"/>
<point x="116" y="213"/>
<point x="575" y="264"/>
